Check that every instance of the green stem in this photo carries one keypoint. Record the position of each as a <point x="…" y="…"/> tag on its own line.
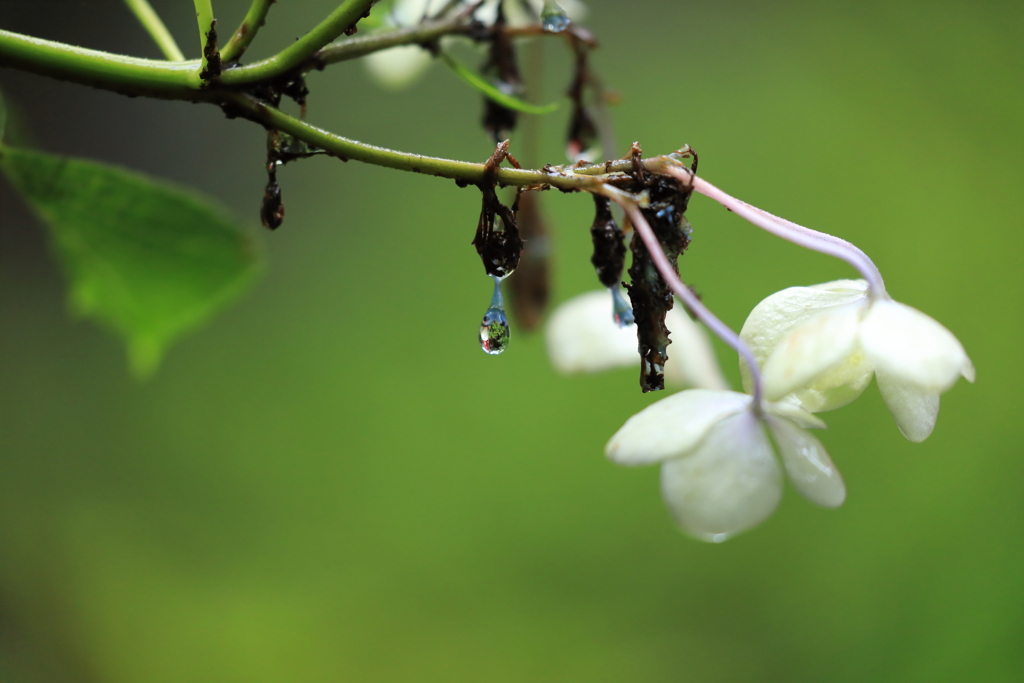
<point x="150" y="20"/>
<point x="126" y="75"/>
<point x="296" y="54"/>
<point x="241" y="38"/>
<point x="179" y="80"/>
<point x="206" y="21"/>
<point x="567" y="178"/>
<point x="426" y="32"/>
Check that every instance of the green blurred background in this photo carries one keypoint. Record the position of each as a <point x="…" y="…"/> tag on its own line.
<point x="332" y="483"/>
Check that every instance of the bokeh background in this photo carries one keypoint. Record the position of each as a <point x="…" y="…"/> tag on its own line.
<point x="332" y="483"/>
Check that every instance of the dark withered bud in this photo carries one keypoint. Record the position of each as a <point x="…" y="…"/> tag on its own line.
<point x="499" y="120"/>
<point x="529" y="286"/>
<point x="582" y="133"/>
<point x="499" y="250"/>
<point x="648" y="293"/>
<point x="609" y="246"/>
<point x="272" y="209"/>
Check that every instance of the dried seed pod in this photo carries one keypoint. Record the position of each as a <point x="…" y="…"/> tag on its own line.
<point x="529" y="286"/>
<point x="499" y="250"/>
<point x="649" y="294"/>
<point x="272" y="208"/>
<point x="609" y="257"/>
<point x="499" y="120"/>
<point x="583" y="135"/>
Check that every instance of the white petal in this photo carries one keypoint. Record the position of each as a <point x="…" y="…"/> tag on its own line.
<point x="968" y="371"/>
<point x="851" y="287"/>
<point x="673" y="426"/>
<point x="915" y="409"/>
<point x="807" y="464"/>
<point x="691" y="358"/>
<point x="487" y="12"/>
<point x="793" y="411"/>
<point x="838" y="385"/>
<point x="410" y="12"/>
<point x="582" y="337"/>
<point x="777" y="316"/>
<point x="910" y="346"/>
<point x="811" y="349"/>
<point x="729" y="484"/>
<point x="398" y="67"/>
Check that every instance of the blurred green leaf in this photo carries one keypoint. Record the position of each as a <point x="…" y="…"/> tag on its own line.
<point x="3" y="116"/>
<point x="476" y="80"/>
<point x="147" y="259"/>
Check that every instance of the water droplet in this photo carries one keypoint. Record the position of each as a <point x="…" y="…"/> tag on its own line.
<point x="553" y="18"/>
<point x="622" y="312"/>
<point x="494" y="332"/>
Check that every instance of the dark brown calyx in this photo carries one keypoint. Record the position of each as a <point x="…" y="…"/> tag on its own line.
<point x="582" y="134"/>
<point x="499" y="250"/>
<point x="272" y="208"/>
<point x="609" y="257"/>
<point x="648" y="292"/>
<point x="529" y="286"/>
<point x="501" y="64"/>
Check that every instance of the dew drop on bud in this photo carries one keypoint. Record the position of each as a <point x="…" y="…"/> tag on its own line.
<point x="622" y="312"/>
<point x="553" y="18"/>
<point x="494" y="332"/>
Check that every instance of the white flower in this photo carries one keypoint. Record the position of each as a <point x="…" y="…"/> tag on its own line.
<point x="582" y="337"/>
<point x="400" y="66"/>
<point x="719" y="472"/>
<point x="818" y="347"/>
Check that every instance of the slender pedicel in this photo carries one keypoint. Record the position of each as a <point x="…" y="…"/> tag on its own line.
<point x="693" y="303"/>
<point x="788" y="230"/>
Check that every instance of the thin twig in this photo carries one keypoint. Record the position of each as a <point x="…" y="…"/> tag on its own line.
<point x="787" y="230"/>
<point x="150" y="20"/>
<point x="246" y="31"/>
<point x="207" y="39"/>
<point x="424" y="32"/>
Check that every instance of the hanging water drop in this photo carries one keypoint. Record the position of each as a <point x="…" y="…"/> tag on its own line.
<point x="622" y="312"/>
<point x="553" y="18"/>
<point x="494" y="332"/>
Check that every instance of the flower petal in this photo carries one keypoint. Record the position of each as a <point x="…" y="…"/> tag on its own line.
<point x="581" y="336"/>
<point x="729" y="484"/>
<point x="837" y="386"/>
<point x="915" y="409"/>
<point x="796" y="413"/>
<point x="909" y="345"/>
<point x="807" y="464"/>
<point x="397" y="67"/>
<point x="673" y="426"/>
<point x="778" y="315"/>
<point x="811" y="349"/>
<point x="691" y="358"/>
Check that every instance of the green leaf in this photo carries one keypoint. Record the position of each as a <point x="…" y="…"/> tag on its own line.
<point x="476" y="80"/>
<point x="149" y="260"/>
<point x="3" y="116"/>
